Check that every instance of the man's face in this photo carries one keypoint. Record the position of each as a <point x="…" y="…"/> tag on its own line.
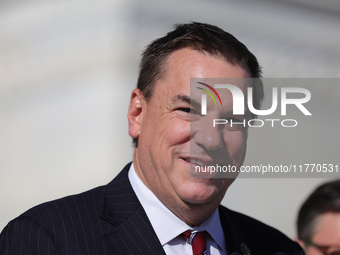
<point x="166" y="147"/>
<point x="326" y="234"/>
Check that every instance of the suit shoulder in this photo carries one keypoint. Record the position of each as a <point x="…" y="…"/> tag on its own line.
<point x="74" y="224"/>
<point x="76" y="212"/>
<point x="258" y="233"/>
<point x="251" y="223"/>
<point x="69" y="205"/>
<point x="57" y="223"/>
<point x="24" y="234"/>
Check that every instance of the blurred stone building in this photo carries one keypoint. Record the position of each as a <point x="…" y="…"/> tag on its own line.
<point x="67" y="69"/>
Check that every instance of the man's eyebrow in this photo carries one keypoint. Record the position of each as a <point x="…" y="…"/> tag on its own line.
<point x="186" y="99"/>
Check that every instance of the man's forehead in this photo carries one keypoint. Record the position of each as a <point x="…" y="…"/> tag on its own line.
<point x="185" y="64"/>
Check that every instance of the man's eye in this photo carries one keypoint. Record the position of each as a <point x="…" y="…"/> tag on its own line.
<point x="236" y="120"/>
<point x="231" y="119"/>
<point x="188" y="110"/>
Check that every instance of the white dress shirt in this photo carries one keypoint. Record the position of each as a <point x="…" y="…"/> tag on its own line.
<point x="168" y="226"/>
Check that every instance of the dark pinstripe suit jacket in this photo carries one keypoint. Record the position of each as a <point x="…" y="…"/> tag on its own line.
<point x="110" y="220"/>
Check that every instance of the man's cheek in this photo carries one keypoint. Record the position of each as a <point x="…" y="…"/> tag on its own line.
<point x="179" y="134"/>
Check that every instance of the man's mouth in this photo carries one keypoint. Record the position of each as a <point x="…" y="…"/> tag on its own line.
<point x="197" y="162"/>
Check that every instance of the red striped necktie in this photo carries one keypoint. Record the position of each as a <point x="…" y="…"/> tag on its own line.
<point x="197" y="241"/>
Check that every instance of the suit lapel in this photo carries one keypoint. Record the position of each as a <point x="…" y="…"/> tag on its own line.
<point x="131" y="231"/>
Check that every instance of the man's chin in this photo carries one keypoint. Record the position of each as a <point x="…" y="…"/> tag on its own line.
<point x="203" y="193"/>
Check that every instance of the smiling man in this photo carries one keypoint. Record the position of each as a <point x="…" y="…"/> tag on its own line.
<point x="163" y="157"/>
<point x="157" y="204"/>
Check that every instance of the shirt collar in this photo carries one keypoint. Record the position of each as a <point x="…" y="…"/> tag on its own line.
<point x="213" y="226"/>
<point x="157" y="212"/>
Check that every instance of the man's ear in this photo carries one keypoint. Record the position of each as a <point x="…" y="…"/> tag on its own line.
<point x="135" y="113"/>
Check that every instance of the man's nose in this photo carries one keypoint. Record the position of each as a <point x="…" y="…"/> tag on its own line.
<point x="208" y="136"/>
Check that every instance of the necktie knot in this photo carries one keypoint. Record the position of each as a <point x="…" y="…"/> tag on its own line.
<point x="197" y="240"/>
